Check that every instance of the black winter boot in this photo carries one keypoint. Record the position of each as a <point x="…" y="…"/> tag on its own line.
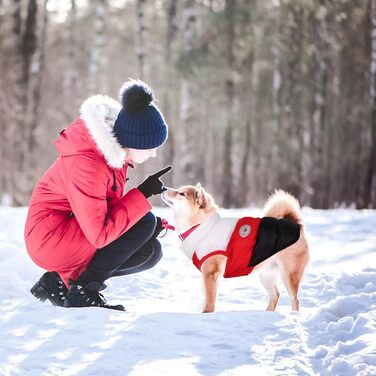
<point x="88" y="296"/>
<point x="51" y="287"/>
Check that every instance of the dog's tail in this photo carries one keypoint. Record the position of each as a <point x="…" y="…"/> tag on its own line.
<point x="281" y="204"/>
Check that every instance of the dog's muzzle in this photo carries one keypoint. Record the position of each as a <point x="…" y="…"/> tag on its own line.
<point x="165" y="199"/>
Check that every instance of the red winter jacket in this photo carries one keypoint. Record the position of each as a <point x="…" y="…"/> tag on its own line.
<point x="78" y="205"/>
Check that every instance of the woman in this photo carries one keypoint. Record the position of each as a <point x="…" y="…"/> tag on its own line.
<point x="81" y="227"/>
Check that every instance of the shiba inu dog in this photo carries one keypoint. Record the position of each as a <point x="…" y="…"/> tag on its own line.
<point x="274" y="244"/>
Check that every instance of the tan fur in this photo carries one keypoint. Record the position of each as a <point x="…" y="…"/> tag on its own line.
<point x="281" y="204"/>
<point x="197" y="205"/>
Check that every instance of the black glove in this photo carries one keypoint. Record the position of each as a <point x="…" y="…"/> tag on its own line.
<point x="158" y="228"/>
<point x="152" y="185"/>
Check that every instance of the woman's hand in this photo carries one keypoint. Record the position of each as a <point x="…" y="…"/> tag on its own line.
<point x="152" y="185"/>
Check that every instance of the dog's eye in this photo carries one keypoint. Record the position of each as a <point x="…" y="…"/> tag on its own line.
<point x="182" y="194"/>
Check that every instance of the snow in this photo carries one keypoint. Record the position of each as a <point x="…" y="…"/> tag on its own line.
<point x="163" y="331"/>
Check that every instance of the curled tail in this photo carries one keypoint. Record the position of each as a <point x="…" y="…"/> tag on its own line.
<point x="281" y="204"/>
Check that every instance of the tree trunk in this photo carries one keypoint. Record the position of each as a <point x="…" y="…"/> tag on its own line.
<point x="296" y="139"/>
<point x="141" y="7"/>
<point x="227" y="180"/>
<point x="288" y="86"/>
<point x="11" y="98"/>
<point x="33" y="121"/>
<point x="188" y="134"/>
<point x="3" y="106"/>
<point x="97" y="52"/>
<point x="12" y="142"/>
<point x="371" y="167"/>
<point x="26" y="45"/>
<point x="169" y="148"/>
<point x="36" y="81"/>
<point x="70" y="78"/>
<point x="247" y="66"/>
<point x="276" y="95"/>
<point x="319" y="123"/>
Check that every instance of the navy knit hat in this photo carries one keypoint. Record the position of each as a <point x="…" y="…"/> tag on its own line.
<point x="140" y="123"/>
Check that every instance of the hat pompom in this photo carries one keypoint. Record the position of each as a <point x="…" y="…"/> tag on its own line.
<point x="140" y="124"/>
<point x="135" y="95"/>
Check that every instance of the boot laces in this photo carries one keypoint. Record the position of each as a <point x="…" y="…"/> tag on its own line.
<point x="61" y="293"/>
<point x="94" y="298"/>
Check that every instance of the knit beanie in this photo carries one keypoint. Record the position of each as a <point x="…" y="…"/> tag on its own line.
<point x="140" y="123"/>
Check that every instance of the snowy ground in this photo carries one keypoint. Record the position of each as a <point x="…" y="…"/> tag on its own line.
<point x="163" y="332"/>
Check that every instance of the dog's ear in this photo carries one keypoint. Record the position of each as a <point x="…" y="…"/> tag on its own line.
<point x="200" y="196"/>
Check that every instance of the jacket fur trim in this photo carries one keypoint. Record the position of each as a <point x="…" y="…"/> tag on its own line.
<point x="99" y="113"/>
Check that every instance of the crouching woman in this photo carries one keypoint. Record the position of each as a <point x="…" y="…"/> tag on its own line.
<point x="81" y="227"/>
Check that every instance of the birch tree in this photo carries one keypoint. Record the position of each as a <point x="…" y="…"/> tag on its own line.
<point x="171" y="34"/>
<point x="15" y="89"/>
<point x="247" y="70"/>
<point x="38" y="61"/>
<point x="70" y="76"/>
<point x="371" y="167"/>
<point x="25" y="47"/>
<point x="228" y="176"/>
<point x="3" y="107"/>
<point x="97" y="56"/>
<point x="141" y="9"/>
<point x="188" y="134"/>
<point x="320" y="114"/>
<point x="33" y="120"/>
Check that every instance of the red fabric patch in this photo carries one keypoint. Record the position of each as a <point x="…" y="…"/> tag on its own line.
<point x="185" y="235"/>
<point x="198" y="263"/>
<point x="240" y="247"/>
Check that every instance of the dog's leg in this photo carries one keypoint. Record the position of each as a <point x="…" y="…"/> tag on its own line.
<point x="291" y="283"/>
<point x="292" y="264"/>
<point x="268" y="278"/>
<point x="212" y="269"/>
<point x="211" y="287"/>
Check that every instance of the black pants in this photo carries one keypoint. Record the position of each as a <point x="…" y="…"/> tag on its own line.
<point x="132" y="252"/>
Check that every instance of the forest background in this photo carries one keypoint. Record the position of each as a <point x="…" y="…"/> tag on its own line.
<point x="258" y="94"/>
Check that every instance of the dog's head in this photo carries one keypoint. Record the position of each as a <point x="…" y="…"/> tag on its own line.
<point x="192" y="205"/>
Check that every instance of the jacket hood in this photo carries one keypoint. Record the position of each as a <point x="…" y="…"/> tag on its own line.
<point x="94" y="130"/>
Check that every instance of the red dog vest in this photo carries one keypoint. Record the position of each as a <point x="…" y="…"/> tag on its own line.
<point x="239" y="249"/>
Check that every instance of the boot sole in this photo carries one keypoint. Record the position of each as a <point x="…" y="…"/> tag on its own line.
<point x="42" y="294"/>
<point x="39" y="292"/>
<point x="68" y="304"/>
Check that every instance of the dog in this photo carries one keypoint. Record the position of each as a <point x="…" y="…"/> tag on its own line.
<point x="274" y="244"/>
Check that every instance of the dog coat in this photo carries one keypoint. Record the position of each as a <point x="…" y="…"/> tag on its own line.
<point x="245" y="242"/>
